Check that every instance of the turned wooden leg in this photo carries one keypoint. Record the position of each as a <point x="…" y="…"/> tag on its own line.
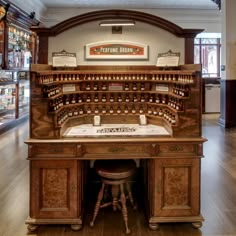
<point x="197" y="225"/>
<point x="76" y="227"/>
<point x="124" y="209"/>
<point x="115" y="192"/>
<point x="130" y="195"/>
<point x="153" y="226"/>
<point x="97" y="205"/>
<point x="32" y="228"/>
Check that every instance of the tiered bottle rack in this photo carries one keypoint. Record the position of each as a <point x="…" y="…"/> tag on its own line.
<point x="157" y="94"/>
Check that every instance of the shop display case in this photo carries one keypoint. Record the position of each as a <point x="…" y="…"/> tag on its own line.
<point x="17" y="51"/>
<point x="14" y="97"/>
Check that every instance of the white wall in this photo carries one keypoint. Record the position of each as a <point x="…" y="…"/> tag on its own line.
<point x="75" y="39"/>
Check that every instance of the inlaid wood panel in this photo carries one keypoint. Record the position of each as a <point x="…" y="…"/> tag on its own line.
<point x="54" y="189"/>
<point x="176" y="187"/>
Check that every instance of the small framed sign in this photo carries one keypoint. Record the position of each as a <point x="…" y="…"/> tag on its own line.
<point x="168" y="59"/>
<point x="116" y="50"/>
<point x="64" y="59"/>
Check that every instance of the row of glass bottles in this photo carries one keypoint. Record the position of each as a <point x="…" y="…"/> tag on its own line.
<point x="114" y="77"/>
<point x="173" y="77"/>
<point x="44" y="79"/>
<point x="181" y="90"/>
<point x="112" y="110"/>
<point x="58" y="102"/>
<point x="163" y="113"/>
<point x="50" y="91"/>
<point x="134" y="86"/>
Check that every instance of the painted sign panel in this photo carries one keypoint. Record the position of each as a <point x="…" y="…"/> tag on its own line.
<point x="64" y="59"/>
<point x="116" y="50"/>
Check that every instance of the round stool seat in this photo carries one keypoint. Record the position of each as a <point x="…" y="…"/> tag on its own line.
<point x="115" y="169"/>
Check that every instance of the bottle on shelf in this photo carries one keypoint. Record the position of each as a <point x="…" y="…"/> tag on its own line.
<point x="73" y="99"/>
<point x="96" y="98"/>
<point x="88" y="87"/>
<point x="133" y="110"/>
<point x="88" y="99"/>
<point x="104" y="99"/>
<point x="111" y="98"/>
<point x="79" y="99"/>
<point x="135" y="86"/>
<point x="127" y="99"/>
<point x="118" y="110"/>
<point x="119" y="99"/>
<point x="142" y="99"/>
<point x="155" y="112"/>
<point x="142" y="87"/>
<point x="126" y="87"/>
<point x="151" y="98"/>
<point x="76" y="112"/>
<point x="89" y="111"/>
<point x="104" y="110"/>
<point x="81" y="111"/>
<point x="149" y="110"/>
<point x="96" y="110"/>
<point x="95" y="87"/>
<point x="111" y="110"/>
<point x="67" y="100"/>
<point x="141" y="109"/>
<point x="173" y="120"/>
<point x="135" y="99"/>
<point x="104" y="86"/>
<point x="126" y="110"/>
<point x="70" y="113"/>
<point x="157" y="99"/>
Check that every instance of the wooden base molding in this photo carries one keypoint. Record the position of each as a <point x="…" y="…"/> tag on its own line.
<point x="227" y="103"/>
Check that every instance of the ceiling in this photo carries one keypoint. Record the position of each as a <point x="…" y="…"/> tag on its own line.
<point x="181" y="4"/>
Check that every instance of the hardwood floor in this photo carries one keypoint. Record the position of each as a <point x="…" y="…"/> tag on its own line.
<point x="218" y="200"/>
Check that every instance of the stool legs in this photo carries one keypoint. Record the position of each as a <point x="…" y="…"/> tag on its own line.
<point x="115" y="189"/>
<point x="98" y="203"/>
<point x="130" y="195"/>
<point x="115" y="193"/>
<point x="124" y="208"/>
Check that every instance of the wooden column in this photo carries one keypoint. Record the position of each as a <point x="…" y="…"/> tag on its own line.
<point x="43" y="50"/>
<point x="228" y="59"/>
<point x="189" y="50"/>
<point x="227" y="101"/>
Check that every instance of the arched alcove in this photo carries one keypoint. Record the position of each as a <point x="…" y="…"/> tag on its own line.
<point x="44" y="33"/>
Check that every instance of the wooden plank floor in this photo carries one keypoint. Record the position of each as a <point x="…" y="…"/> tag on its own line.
<point x="218" y="199"/>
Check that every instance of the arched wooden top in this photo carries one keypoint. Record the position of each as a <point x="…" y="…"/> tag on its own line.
<point x="117" y="14"/>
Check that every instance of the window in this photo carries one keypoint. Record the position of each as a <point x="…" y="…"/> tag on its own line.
<point x="207" y="53"/>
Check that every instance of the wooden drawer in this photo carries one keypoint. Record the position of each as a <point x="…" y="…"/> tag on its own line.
<point x="181" y="149"/>
<point x="53" y="150"/>
<point x="101" y="150"/>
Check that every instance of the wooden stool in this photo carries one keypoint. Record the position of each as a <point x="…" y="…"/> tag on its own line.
<point x="115" y="173"/>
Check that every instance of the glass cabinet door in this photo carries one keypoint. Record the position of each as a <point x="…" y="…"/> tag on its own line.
<point x="24" y="92"/>
<point x="7" y="103"/>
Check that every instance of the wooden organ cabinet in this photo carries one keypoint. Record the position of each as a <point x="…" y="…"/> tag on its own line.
<point x="170" y="161"/>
